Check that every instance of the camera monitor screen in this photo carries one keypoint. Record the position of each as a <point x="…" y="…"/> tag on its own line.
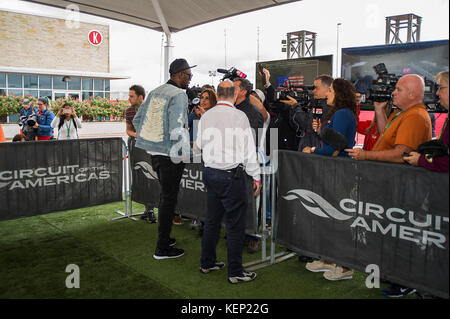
<point x="423" y="58"/>
<point x="300" y="71"/>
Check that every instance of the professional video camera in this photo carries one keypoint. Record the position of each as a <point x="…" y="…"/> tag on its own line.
<point x="383" y="86"/>
<point x="232" y="74"/>
<point x="430" y="99"/>
<point x="301" y="93"/>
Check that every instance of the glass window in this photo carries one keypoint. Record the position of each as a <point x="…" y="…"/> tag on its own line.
<point x="45" y="82"/>
<point x="87" y="84"/>
<point x="2" y="91"/>
<point x="107" y="85"/>
<point x="30" y="81"/>
<point x="75" y="84"/>
<point x="2" y="80"/>
<point x="100" y="94"/>
<point x="98" y="85"/>
<point x="16" y="92"/>
<point x="87" y="95"/>
<point x="14" y="80"/>
<point x="45" y="93"/>
<point x="31" y="92"/>
<point x="58" y="83"/>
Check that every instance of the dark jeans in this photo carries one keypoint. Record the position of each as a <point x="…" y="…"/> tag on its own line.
<point x="226" y="195"/>
<point x="169" y="176"/>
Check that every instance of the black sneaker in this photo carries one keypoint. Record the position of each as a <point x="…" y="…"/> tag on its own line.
<point x="168" y="253"/>
<point x="144" y="216"/>
<point x="245" y="277"/>
<point x="172" y="242"/>
<point x="217" y="266"/>
<point x="397" y="291"/>
<point x="151" y="217"/>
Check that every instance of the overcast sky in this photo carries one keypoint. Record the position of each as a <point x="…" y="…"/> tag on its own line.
<point x="136" y="51"/>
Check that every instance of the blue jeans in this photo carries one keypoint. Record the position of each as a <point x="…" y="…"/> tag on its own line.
<point x="226" y="196"/>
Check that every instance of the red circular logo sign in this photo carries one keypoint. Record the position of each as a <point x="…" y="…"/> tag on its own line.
<point x="95" y="38"/>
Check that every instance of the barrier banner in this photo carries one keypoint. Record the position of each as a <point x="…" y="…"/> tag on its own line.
<point x="192" y="199"/>
<point x="48" y="176"/>
<point x="391" y="217"/>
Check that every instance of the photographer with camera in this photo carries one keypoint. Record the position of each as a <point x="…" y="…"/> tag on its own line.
<point x="28" y="112"/>
<point x="405" y="129"/>
<point x="435" y="163"/>
<point x="304" y="119"/>
<point x="67" y="122"/>
<point x="44" y="120"/>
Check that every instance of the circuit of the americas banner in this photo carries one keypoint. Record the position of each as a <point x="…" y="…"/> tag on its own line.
<point x="361" y="213"/>
<point x="192" y="199"/>
<point x="48" y="176"/>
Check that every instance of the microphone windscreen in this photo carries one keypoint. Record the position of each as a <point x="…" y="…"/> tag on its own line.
<point x="333" y="138"/>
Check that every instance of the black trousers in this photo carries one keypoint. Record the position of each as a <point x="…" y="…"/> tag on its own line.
<point x="169" y="176"/>
<point x="226" y="196"/>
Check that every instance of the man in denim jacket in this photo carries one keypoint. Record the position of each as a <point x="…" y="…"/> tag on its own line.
<point x="162" y="129"/>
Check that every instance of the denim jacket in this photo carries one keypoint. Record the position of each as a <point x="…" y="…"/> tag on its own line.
<point x="161" y="122"/>
<point x="45" y="121"/>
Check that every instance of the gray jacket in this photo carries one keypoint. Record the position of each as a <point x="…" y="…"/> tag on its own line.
<point x="161" y="122"/>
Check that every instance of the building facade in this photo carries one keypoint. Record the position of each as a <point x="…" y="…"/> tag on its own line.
<point x="53" y="57"/>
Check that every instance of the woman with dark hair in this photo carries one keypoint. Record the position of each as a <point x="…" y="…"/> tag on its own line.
<point x="68" y="123"/>
<point x="341" y="117"/>
<point x="208" y="100"/>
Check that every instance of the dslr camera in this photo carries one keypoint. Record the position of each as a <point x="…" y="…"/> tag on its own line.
<point x="383" y="87"/>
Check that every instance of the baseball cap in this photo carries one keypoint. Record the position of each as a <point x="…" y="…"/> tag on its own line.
<point x="260" y="94"/>
<point x="179" y="65"/>
<point x="26" y="102"/>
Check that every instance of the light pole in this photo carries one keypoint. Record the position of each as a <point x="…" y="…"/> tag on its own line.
<point x="212" y="74"/>
<point x="337" y="50"/>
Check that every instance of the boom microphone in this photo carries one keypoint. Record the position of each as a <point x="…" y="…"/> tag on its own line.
<point x="222" y="71"/>
<point x="333" y="138"/>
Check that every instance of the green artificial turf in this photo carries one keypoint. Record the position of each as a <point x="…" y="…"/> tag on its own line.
<point x="115" y="261"/>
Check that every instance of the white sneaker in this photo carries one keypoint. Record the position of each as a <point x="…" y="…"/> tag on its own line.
<point x="338" y="273"/>
<point x="319" y="266"/>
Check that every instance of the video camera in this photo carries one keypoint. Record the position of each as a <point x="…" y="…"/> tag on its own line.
<point x="232" y="74"/>
<point x="430" y="99"/>
<point x="383" y="87"/>
<point x="301" y="93"/>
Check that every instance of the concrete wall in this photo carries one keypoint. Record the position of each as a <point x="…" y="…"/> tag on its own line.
<point x="48" y="43"/>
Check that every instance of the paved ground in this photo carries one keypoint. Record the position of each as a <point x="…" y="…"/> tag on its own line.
<point x="88" y="130"/>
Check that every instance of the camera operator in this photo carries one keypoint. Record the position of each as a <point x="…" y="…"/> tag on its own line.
<point x="45" y="118"/>
<point x="26" y="113"/>
<point x="305" y="119"/>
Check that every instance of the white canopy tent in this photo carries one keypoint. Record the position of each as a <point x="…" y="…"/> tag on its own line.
<point x="166" y="16"/>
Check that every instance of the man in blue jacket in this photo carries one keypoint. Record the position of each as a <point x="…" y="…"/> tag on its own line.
<point x="25" y="114"/>
<point x="45" y="118"/>
<point x="162" y="130"/>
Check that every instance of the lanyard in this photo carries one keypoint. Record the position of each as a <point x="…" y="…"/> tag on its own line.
<point x="223" y="103"/>
<point x="443" y="128"/>
<point x="387" y="125"/>
<point x="68" y="128"/>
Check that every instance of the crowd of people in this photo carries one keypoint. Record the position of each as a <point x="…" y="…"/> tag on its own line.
<point x="162" y="125"/>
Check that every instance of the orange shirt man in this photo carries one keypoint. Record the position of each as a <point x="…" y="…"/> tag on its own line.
<point x="405" y="129"/>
